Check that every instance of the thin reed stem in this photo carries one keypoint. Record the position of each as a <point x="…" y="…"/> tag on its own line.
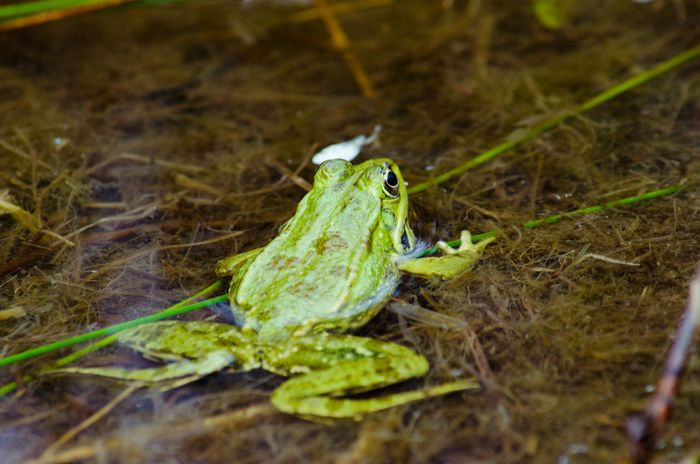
<point x="571" y="214"/>
<point x="559" y="118"/>
<point x="181" y="307"/>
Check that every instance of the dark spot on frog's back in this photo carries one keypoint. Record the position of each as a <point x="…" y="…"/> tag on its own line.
<point x="329" y="242"/>
<point x="304" y="288"/>
<point x="283" y="262"/>
<point x="338" y="271"/>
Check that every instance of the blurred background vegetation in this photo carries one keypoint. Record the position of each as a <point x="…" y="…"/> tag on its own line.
<point x="147" y="140"/>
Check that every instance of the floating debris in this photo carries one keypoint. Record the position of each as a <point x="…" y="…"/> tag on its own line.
<point x="347" y="150"/>
<point x="14" y="312"/>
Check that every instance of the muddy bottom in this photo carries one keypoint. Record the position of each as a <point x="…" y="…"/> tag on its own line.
<point x="148" y="142"/>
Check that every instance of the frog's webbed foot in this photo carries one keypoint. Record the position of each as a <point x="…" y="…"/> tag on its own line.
<point x="197" y="349"/>
<point x="451" y="263"/>
<point x="345" y="365"/>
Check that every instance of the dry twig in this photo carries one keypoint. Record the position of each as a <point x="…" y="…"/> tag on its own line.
<point x="645" y="430"/>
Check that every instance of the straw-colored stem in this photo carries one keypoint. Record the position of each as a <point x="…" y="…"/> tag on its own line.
<point x="341" y="42"/>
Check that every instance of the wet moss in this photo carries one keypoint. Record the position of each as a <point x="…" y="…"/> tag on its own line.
<point x="147" y="135"/>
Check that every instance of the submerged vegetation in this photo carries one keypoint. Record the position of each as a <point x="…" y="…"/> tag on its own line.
<point x="141" y="145"/>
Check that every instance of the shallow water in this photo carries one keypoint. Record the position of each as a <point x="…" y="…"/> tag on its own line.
<point x="159" y="139"/>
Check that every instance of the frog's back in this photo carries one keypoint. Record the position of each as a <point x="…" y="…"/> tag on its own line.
<point x="328" y="269"/>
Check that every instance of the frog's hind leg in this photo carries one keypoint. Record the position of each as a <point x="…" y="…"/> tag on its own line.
<point x="196" y="349"/>
<point x="340" y="365"/>
<point x="168" y="376"/>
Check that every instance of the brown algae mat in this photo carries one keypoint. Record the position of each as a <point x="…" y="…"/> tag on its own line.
<point x="149" y="142"/>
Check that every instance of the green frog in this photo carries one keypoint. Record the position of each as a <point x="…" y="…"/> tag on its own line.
<point x="332" y="267"/>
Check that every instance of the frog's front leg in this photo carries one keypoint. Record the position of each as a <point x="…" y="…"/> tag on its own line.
<point x="451" y="263"/>
<point x="334" y="366"/>
<point x="236" y="263"/>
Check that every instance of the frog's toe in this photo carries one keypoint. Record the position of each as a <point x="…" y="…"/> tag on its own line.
<point x="467" y="244"/>
<point x="471" y="384"/>
<point x="445" y="248"/>
<point x="465" y="238"/>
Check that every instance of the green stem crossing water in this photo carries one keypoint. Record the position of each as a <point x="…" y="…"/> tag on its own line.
<point x="558" y="119"/>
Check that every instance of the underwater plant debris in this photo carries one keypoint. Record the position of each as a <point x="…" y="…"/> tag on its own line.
<point x="145" y="143"/>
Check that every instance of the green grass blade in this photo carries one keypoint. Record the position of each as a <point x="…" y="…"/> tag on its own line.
<point x="556" y="120"/>
<point x="579" y="212"/>
<point x="17" y="10"/>
<point x="108" y="330"/>
<point x="20" y="10"/>
<point x="182" y="305"/>
<point x="12" y="386"/>
<point x="179" y="308"/>
<point x="598" y="208"/>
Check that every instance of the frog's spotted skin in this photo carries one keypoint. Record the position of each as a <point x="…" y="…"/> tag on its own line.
<point x="333" y="266"/>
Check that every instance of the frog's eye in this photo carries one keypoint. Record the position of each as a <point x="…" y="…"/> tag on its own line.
<point x="391" y="183"/>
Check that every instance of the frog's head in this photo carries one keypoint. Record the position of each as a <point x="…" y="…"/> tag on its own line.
<point x="382" y="179"/>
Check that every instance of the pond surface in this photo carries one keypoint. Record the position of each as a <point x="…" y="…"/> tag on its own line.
<point x="153" y="141"/>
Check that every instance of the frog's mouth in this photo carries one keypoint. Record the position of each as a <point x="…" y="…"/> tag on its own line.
<point x="408" y="240"/>
<point x="402" y="236"/>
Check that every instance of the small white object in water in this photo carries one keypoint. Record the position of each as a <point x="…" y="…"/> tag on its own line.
<point x="347" y="150"/>
<point x="59" y="143"/>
